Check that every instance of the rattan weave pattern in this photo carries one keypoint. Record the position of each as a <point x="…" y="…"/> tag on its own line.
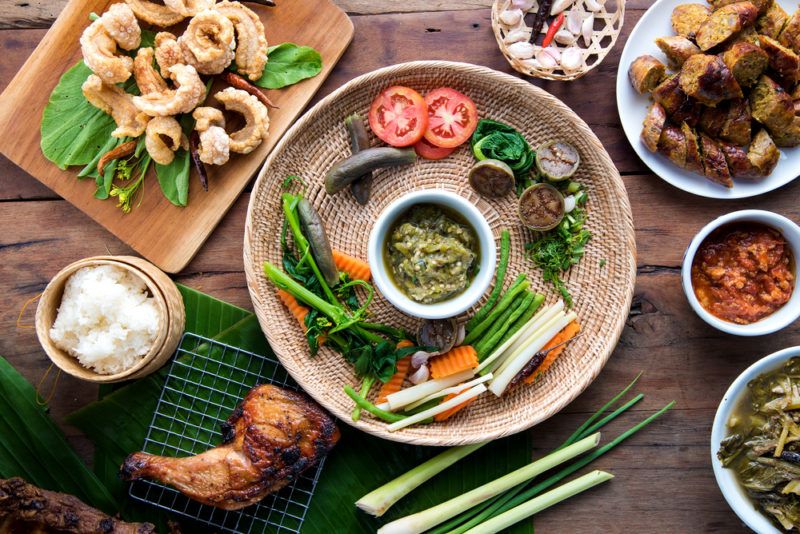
<point x="602" y="284"/>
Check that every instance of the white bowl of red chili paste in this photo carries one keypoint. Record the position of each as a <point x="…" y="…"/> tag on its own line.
<point x="739" y="273"/>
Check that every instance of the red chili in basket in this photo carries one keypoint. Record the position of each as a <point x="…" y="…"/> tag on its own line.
<point x="551" y="31"/>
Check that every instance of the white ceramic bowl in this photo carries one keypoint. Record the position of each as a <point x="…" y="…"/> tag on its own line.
<point x="446" y="308"/>
<point x="772" y="323"/>
<point x="733" y="492"/>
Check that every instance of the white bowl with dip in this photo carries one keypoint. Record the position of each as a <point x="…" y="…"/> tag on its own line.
<point x="777" y="320"/>
<point x="383" y="278"/>
<point x="732" y="490"/>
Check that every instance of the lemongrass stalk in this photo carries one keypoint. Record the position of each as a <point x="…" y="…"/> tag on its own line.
<point x="426" y="519"/>
<point x="406" y="396"/>
<point x="377" y="502"/>
<point x="536" y="505"/>
<point x="471" y="393"/>
<point x="447" y="391"/>
<point x="517" y="361"/>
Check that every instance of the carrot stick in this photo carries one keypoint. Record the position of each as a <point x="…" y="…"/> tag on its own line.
<point x="395" y="383"/>
<point x="456" y="360"/>
<point x="452" y="411"/>
<point x="355" y="268"/>
<point x="298" y="310"/>
<point x="569" y="331"/>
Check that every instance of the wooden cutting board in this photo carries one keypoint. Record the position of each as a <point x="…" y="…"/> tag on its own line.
<point x="167" y="235"/>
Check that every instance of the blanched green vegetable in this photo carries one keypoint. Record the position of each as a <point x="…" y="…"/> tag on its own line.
<point x="344" y="172"/>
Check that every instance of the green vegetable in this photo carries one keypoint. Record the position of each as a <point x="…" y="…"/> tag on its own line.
<point x="559" y="249"/>
<point x="174" y="178"/>
<point x="288" y="64"/>
<point x="520" y="322"/>
<point x="519" y="285"/>
<point x="314" y="231"/>
<point x="364" y="404"/>
<point x="497" y="140"/>
<point x="491" y="339"/>
<point x="378" y="501"/>
<point x="345" y="171"/>
<point x="130" y="173"/>
<point x="505" y="250"/>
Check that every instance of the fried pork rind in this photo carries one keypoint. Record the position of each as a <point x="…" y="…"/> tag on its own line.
<point x="208" y="42"/>
<point x="251" y="43"/>
<point x="256" y="118"/>
<point x="156" y="14"/>
<point x="113" y="100"/>
<point x="189" y="8"/>
<point x="168" y="51"/>
<point x="159" y="131"/>
<point x="148" y="80"/>
<point x="189" y="92"/>
<point x="99" y="41"/>
<point x="215" y="143"/>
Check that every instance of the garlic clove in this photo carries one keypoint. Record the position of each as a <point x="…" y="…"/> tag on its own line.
<point x="594" y="5"/>
<point x="564" y="37"/>
<point x="587" y="29"/>
<point x="523" y="5"/>
<point x="559" y="6"/>
<point x="530" y="63"/>
<point x="572" y="59"/>
<point x="419" y="359"/>
<point x="516" y="36"/>
<point x="511" y="17"/>
<point x="546" y="59"/>
<point x="554" y="52"/>
<point x="522" y="50"/>
<point x="573" y="22"/>
<point x="420" y="375"/>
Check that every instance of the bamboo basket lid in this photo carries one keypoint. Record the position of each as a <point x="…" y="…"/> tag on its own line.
<point x="601" y="284"/>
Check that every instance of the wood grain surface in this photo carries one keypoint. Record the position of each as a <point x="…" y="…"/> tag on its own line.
<point x="321" y="25"/>
<point x="663" y="478"/>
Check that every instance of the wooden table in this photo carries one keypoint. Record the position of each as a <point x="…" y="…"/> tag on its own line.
<point x="664" y="480"/>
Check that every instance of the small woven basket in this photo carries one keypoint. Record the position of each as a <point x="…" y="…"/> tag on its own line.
<point x="602" y="283"/>
<point x="607" y="26"/>
<point x="161" y="287"/>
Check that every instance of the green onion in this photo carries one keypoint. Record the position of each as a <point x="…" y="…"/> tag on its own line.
<point x="505" y="250"/>
<point x="519" y="285"/>
<point x="426" y="519"/>
<point x="378" y="501"/>
<point x="517" y="514"/>
<point x="492" y="338"/>
<point x="364" y="404"/>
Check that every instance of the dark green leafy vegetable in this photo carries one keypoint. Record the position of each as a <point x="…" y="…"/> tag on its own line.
<point x="288" y="64"/>
<point x="497" y="140"/>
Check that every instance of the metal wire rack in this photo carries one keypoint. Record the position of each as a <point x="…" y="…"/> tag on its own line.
<point x="206" y="381"/>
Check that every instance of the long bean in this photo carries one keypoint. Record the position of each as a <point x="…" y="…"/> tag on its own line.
<point x="519" y="285"/>
<point x="505" y="250"/>
<point x="521" y="298"/>
<point x="389" y="417"/>
<point x="520" y="322"/>
<point x="492" y="338"/>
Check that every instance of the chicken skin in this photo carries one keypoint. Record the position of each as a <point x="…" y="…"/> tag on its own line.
<point x="270" y="439"/>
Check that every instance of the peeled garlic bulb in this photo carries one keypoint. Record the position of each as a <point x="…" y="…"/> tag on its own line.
<point x="572" y="59"/>
<point x="523" y="5"/>
<point x="574" y="20"/>
<point x="522" y="50"/>
<point x="587" y="29"/>
<point x="559" y="6"/>
<point x="564" y="37"/>
<point x="516" y="36"/>
<point x="511" y="17"/>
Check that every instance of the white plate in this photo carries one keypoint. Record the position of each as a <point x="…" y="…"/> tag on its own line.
<point x="633" y="108"/>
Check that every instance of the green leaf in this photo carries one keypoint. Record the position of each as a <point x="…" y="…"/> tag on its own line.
<point x="174" y="178"/>
<point x="73" y="131"/>
<point x="33" y="447"/>
<point x="288" y="64"/>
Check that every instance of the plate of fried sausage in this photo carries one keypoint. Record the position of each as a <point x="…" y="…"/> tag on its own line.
<point x="709" y="94"/>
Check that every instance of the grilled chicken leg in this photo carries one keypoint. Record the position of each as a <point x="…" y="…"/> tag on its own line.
<point x="273" y="435"/>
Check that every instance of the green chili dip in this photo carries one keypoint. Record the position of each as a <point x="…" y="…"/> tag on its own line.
<point x="432" y="253"/>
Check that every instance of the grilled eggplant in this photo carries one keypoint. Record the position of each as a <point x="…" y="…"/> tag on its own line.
<point x="724" y="23"/>
<point x="708" y="80"/>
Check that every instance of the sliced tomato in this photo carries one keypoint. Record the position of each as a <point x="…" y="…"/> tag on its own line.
<point x="399" y="116"/>
<point x="428" y="151"/>
<point x="452" y="117"/>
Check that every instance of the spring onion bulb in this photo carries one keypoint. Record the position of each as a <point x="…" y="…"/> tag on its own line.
<point x="537" y="504"/>
<point x="377" y="502"/>
<point x="406" y="396"/>
<point x="518" y="360"/>
<point x="447" y="391"/>
<point x="471" y="393"/>
<point x="426" y="519"/>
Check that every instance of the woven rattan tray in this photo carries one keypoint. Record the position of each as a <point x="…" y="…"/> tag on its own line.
<point x="602" y="284"/>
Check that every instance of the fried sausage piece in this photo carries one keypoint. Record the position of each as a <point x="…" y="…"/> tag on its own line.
<point x="724" y="23"/>
<point x="781" y="59"/>
<point x="789" y="136"/>
<point x="678" y="106"/>
<point x="673" y="145"/>
<point x="687" y="18"/>
<point x="738" y="163"/>
<point x="653" y="124"/>
<point x="677" y="49"/>
<point x="763" y="153"/>
<point x="645" y="73"/>
<point x="771" y="22"/>
<point x="762" y="5"/>
<point x="712" y="120"/>
<point x="746" y="62"/>
<point x="716" y="168"/>
<point x="694" y="159"/>
<point x="770" y="104"/>
<point x="790" y="35"/>
<point x="708" y="80"/>
<point x="738" y="119"/>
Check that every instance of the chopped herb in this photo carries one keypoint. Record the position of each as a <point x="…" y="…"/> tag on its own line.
<point x="602" y="263"/>
<point x="291" y="179"/>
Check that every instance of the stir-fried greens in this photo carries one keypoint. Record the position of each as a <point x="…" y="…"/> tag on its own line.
<point x="764" y="445"/>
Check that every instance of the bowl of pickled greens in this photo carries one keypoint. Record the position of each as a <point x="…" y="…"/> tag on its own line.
<point x="755" y="444"/>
